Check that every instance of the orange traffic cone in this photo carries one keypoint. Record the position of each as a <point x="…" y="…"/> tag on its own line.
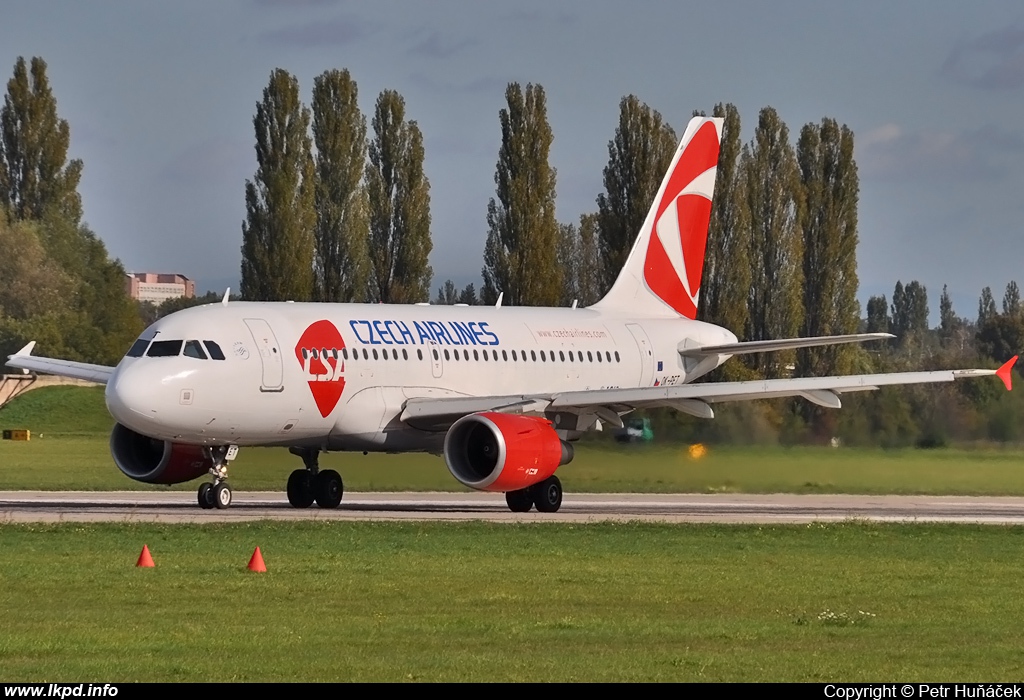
<point x="145" y="559"/>
<point x="256" y="563"/>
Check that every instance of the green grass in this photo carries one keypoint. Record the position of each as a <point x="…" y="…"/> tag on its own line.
<point x="69" y="449"/>
<point x="479" y="602"/>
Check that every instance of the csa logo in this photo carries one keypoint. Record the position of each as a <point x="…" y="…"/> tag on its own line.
<point x="319" y="354"/>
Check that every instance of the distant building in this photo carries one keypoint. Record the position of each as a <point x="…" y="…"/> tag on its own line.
<point x="158" y="288"/>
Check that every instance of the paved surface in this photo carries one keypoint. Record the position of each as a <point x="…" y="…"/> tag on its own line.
<point x="181" y="507"/>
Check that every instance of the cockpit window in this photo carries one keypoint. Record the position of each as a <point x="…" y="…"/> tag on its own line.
<point x="215" y="351"/>
<point x="138" y="348"/>
<point x="165" y="348"/>
<point x="194" y="349"/>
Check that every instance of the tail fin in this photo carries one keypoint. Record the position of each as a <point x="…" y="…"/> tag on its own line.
<point x="663" y="272"/>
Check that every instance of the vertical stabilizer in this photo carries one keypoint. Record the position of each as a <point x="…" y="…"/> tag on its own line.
<point x="662" y="275"/>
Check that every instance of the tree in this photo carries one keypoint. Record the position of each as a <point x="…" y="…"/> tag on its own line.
<point x="589" y="282"/>
<point x="727" y="273"/>
<point x="468" y="296"/>
<point x="1011" y="300"/>
<point x="878" y="315"/>
<point x="399" y="202"/>
<point x="447" y="294"/>
<point x="949" y="323"/>
<point x="831" y="190"/>
<point x="638" y="158"/>
<point x="342" y="230"/>
<point x="772" y="187"/>
<point x="277" y="235"/>
<point x="909" y="312"/>
<point x="986" y="306"/>
<point x="522" y="230"/>
<point x="568" y="256"/>
<point x="35" y="175"/>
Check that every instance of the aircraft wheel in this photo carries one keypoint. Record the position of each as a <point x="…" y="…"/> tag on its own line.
<point x="206" y="495"/>
<point x="222" y="495"/>
<point x="300" y="488"/>
<point x="328" y="489"/>
<point x="548" y="495"/>
<point x="520" y="501"/>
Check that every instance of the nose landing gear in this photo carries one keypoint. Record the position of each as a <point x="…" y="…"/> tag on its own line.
<point x="218" y="493"/>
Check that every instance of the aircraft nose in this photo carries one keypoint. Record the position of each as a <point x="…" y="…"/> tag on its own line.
<point x="129" y="398"/>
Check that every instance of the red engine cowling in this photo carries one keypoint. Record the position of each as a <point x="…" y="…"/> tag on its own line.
<point x="503" y="452"/>
<point x="156" y="461"/>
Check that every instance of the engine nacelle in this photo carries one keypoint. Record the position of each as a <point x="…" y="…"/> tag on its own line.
<point x="503" y="452"/>
<point x="156" y="461"/>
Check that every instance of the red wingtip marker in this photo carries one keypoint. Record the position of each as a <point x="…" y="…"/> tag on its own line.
<point x="256" y="563"/>
<point x="145" y="559"/>
<point x="1004" y="372"/>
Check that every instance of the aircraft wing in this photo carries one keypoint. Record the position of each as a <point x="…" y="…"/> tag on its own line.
<point x="695" y="399"/>
<point x="25" y="360"/>
<point x="781" y="344"/>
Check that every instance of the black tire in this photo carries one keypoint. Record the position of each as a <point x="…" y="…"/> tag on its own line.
<point x="222" y="495"/>
<point x="548" y="495"/>
<point x="300" y="488"/>
<point x="520" y="501"/>
<point x="206" y="495"/>
<point x="328" y="489"/>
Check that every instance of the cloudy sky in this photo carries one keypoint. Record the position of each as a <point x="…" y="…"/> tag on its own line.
<point x="160" y="99"/>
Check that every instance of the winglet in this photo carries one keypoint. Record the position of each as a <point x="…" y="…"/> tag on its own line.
<point x="227" y="295"/>
<point x="497" y="304"/>
<point x="27" y="350"/>
<point x="1004" y="372"/>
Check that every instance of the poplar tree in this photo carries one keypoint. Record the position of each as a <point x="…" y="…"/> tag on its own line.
<point x="986" y="306"/>
<point x="771" y="182"/>
<point x="590" y="282"/>
<point x="399" y="204"/>
<point x="277" y="235"/>
<point x="909" y="311"/>
<point x="36" y="177"/>
<point x="522" y="230"/>
<point x="638" y="158"/>
<point x="727" y="271"/>
<point x="1011" y="300"/>
<point x="878" y="315"/>
<point x="831" y="189"/>
<point x="342" y="231"/>
<point x="447" y="294"/>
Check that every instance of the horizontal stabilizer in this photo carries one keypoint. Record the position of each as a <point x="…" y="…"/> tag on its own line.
<point x="781" y="344"/>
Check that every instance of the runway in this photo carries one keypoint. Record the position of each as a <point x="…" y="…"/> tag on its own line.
<point x="181" y="507"/>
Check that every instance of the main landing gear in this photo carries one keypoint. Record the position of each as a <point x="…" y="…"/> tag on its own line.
<point x="217" y="494"/>
<point x="547" y="496"/>
<point x="310" y="484"/>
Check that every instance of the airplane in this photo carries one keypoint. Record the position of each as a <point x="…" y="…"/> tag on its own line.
<point x="501" y="392"/>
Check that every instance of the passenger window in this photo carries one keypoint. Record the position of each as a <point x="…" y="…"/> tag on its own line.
<point x="375" y="356"/>
<point x="504" y="355"/>
<point x="514" y="358"/>
<point x="194" y="349"/>
<point x="454" y="352"/>
<point x="466" y="352"/>
<point x="384" y="353"/>
<point x="344" y="353"/>
<point x="607" y="356"/>
<point x="138" y="348"/>
<point x="394" y="354"/>
<point x="446" y="354"/>
<point x="405" y="354"/>
<point x="561" y="356"/>
<point x="435" y="355"/>
<point x="476" y="356"/>
<point x="590" y="356"/>
<point x="617" y="356"/>
<point x="533" y="355"/>
<point x="542" y="358"/>
<point x="419" y="353"/>
<point x="366" y="354"/>
<point x="581" y="355"/>
<point x="598" y="353"/>
<point x="215" y="352"/>
<point x="570" y="356"/>
<point x="165" y="348"/>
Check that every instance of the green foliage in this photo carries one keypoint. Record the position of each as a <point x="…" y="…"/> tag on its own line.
<point x="36" y="178"/>
<point x="522" y="230"/>
<point x="277" y="235"/>
<point x="342" y="227"/>
<point x="909" y="313"/>
<point x="727" y="271"/>
<point x="399" y="201"/>
<point x="878" y="315"/>
<point x="771" y="179"/>
<point x="831" y="190"/>
<point x="638" y="158"/>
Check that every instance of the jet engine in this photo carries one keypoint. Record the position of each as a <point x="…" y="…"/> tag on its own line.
<point x="503" y="452"/>
<point x="156" y="461"/>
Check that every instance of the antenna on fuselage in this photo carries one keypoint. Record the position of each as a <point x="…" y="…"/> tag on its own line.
<point x="497" y="304"/>
<point x="227" y="293"/>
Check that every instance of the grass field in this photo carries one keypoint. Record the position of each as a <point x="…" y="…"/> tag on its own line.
<point x="69" y="450"/>
<point x="479" y="602"/>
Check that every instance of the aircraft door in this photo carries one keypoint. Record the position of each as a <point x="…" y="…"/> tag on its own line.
<point x="270" y="354"/>
<point x="436" y="366"/>
<point x="646" y="353"/>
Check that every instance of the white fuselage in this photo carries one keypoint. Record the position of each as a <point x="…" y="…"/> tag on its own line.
<point x="280" y="384"/>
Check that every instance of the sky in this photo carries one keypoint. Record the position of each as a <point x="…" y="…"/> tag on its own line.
<point x="160" y="99"/>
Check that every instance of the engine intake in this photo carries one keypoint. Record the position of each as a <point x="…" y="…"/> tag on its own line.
<point x="156" y="461"/>
<point x="503" y="452"/>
